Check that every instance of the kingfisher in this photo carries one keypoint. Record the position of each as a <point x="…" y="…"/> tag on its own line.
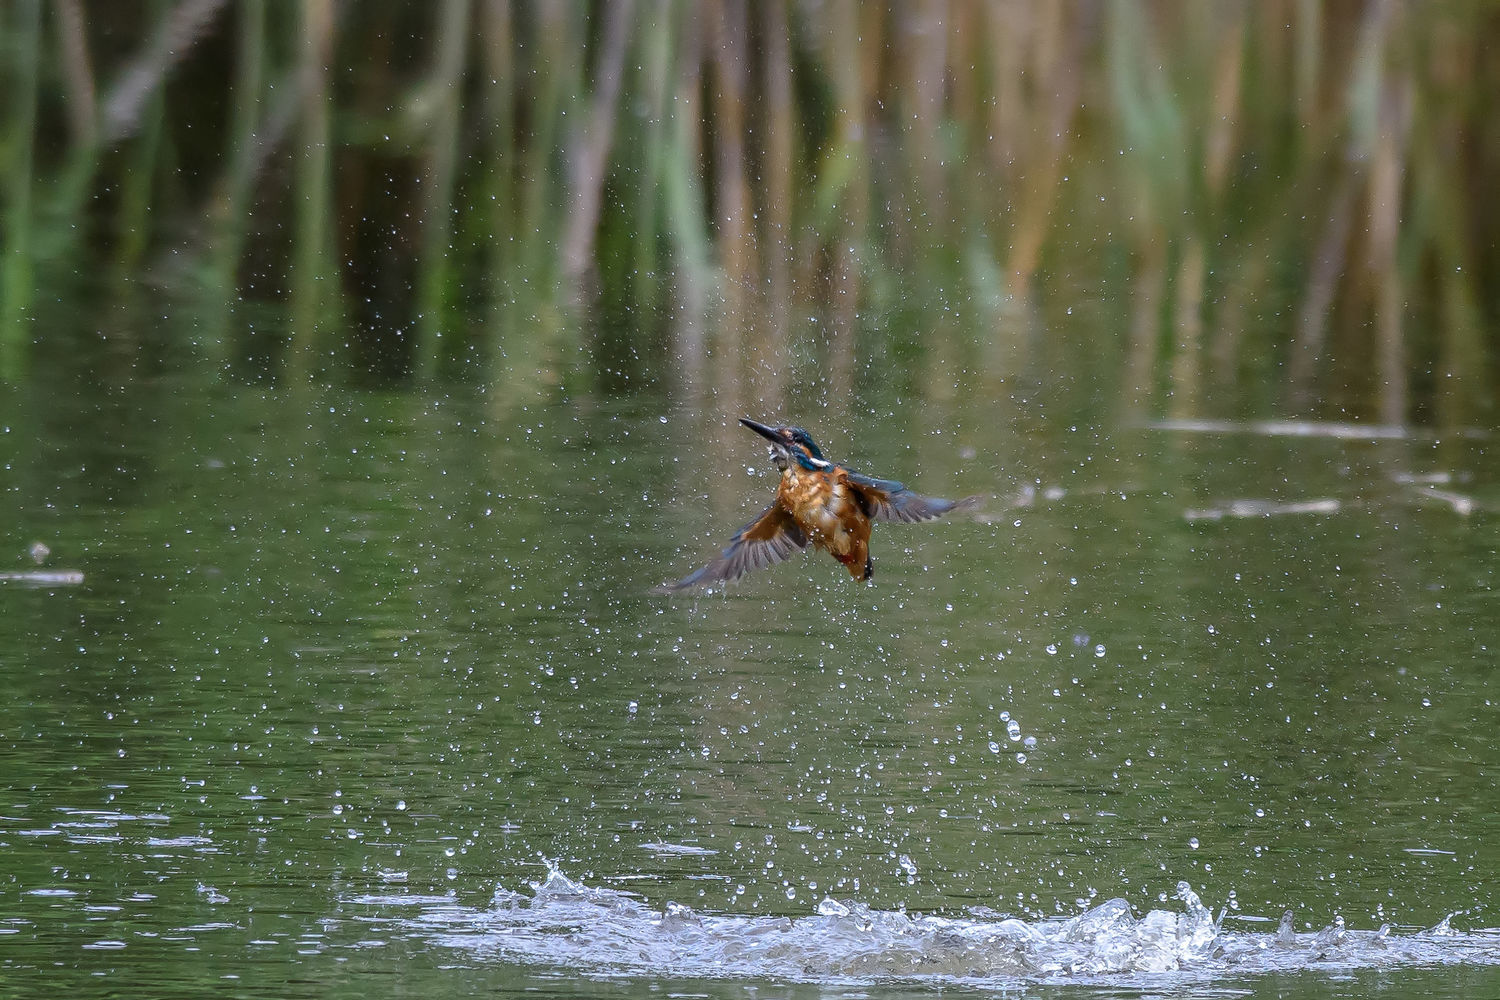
<point x="818" y="502"/>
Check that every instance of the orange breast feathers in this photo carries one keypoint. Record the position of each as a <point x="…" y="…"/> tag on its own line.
<point x="825" y="509"/>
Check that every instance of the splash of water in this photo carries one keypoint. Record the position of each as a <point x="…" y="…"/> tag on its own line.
<point x="565" y="924"/>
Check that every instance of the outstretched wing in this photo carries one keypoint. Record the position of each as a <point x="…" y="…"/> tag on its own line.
<point x="888" y="500"/>
<point x="765" y="541"/>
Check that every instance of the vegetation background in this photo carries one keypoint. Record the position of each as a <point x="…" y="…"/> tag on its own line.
<point x="1191" y="209"/>
<point x="365" y="365"/>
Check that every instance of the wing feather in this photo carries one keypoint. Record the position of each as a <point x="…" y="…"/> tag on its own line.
<point x="888" y="500"/>
<point x="765" y="541"/>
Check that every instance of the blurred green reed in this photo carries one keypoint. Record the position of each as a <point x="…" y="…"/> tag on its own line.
<point x="1280" y="206"/>
<point x="17" y="274"/>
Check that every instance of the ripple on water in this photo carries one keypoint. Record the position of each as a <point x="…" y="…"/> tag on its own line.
<point x="567" y="924"/>
<point x="662" y="848"/>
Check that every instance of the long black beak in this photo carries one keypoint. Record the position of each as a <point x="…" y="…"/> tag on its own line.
<point x="769" y="433"/>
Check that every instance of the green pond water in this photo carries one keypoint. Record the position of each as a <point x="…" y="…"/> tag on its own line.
<point x="349" y="669"/>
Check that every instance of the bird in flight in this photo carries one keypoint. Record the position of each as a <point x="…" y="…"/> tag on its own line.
<point x="818" y="503"/>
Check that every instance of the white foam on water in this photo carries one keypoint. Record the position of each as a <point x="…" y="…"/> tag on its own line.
<point x="567" y="925"/>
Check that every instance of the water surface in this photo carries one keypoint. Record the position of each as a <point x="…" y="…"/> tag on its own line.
<point x="344" y="665"/>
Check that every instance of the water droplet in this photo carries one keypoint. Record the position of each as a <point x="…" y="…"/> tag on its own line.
<point x="831" y="907"/>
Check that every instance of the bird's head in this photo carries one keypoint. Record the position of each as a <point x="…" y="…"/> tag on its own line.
<point x="789" y="444"/>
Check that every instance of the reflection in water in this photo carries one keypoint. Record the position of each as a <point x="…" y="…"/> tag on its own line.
<point x="42" y="577"/>
<point x="1189" y="210"/>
